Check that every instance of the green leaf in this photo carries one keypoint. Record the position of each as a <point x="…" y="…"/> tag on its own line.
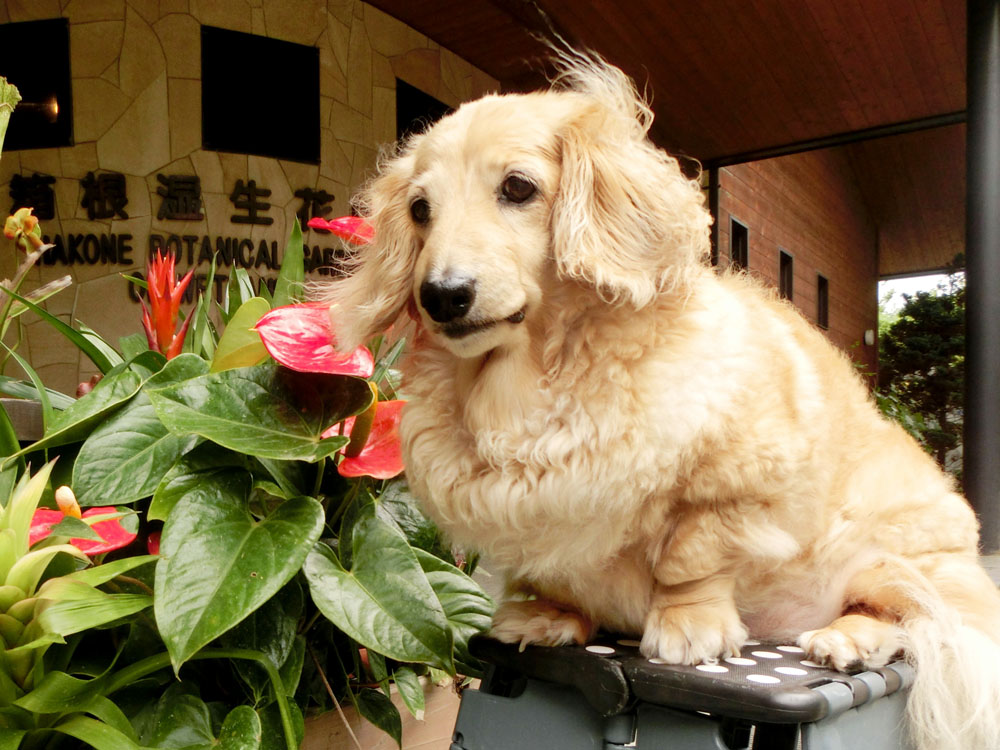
<point x="410" y="690"/>
<point x="76" y="615"/>
<point x="58" y="692"/>
<point x="468" y="608"/>
<point x="385" y="601"/>
<point x="180" y="368"/>
<point x="386" y="363"/>
<point x="201" y="336"/>
<point x="264" y="411"/>
<point x="241" y="730"/>
<point x="381" y="712"/>
<point x="238" y="292"/>
<point x="292" y="275"/>
<point x="21" y="389"/>
<point x="17" y="513"/>
<point x="108" y="712"/>
<point x="125" y="458"/>
<point x="378" y="667"/>
<point x="133" y="345"/>
<point x="264" y="292"/>
<point x="291" y="670"/>
<point x="26" y="572"/>
<point x="218" y="564"/>
<point x="10" y="739"/>
<point x="202" y="464"/>
<point x="400" y="508"/>
<point x="78" y="420"/>
<point x="99" y="343"/>
<point x="99" y="574"/>
<point x="269" y="630"/>
<point x="43" y="396"/>
<point x="240" y="345"/>
<point x="290" y="476"/>
<point x="179" y="719"/>
<point x="9" y="446"/>
<point x="74" y="528"/>
<point x="272" y="730"/>
<point x="147" y="363"/>
<point x="95" y="733"/>
<point x="82" y="342"/>
<point x="8" y="477"/>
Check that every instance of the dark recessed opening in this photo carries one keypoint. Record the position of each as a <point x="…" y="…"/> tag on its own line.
<point x="786" y="274"/>
<point x="259" y="96"/>
<point x="34" y="56"/>
<point x="822" y="301"/>
<point x="739" y="244"/>
<point x="415" y="110"/>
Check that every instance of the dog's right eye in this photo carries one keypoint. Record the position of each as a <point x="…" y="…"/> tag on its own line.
<point x="516" y="189"/>
<point x="420" y="210"/>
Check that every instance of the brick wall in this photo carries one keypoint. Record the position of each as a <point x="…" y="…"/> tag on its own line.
<point x="809" y="206"/>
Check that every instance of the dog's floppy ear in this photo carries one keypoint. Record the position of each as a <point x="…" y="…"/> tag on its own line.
<point x="380" y="274"/>
<point x="625" y="219"/>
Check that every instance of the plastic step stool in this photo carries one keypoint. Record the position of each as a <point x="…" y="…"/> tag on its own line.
<point x="606" y="696"/>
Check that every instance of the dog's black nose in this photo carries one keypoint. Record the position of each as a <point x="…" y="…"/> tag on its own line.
<point x="447" y="299"/>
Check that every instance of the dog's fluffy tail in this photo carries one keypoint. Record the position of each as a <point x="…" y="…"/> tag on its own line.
<point x="954" y="703"/>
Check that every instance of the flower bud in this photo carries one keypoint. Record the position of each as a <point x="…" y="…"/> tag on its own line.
<point x="67" y="503"/>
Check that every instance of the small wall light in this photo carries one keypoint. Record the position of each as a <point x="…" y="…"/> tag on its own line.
<point x="870" y="337"/>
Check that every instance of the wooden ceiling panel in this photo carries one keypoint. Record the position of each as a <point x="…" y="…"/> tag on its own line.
<point x="730" y="77"/>
<point x="909" y="183"/>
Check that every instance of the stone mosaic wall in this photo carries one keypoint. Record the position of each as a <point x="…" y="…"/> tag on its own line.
<point x="137" y="111"/>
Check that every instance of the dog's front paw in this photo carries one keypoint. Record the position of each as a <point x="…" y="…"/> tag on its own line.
<point x="539" y="622"/>
<point x="853" y="641"/>
<point x="692" y="633"/>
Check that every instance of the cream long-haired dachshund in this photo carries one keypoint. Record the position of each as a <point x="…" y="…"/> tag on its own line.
<point x="639" y="443"/>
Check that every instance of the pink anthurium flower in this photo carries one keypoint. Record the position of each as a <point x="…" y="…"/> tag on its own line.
<point x="352" y="229"/>
<point x="165" y="293"/>
<point x="300" y="337"/>
<point x="382" y="455"/>
<point x="113" y="534"/>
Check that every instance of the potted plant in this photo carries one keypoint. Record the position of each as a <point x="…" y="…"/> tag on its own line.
<point x="254" y="554"/>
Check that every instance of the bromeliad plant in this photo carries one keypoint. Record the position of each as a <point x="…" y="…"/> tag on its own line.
<point x="294" y="571"/>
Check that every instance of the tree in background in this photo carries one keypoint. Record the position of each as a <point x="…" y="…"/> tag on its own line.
<point x="922" y="365"/>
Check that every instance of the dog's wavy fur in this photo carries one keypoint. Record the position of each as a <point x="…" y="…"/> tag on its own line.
<point x="655" y="448"/>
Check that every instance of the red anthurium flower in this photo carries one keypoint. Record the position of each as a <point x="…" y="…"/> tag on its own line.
<point x="165" y="294"/>
<point x="111" y="531"/>
<point x="300" y="337"/>
<point x="352" y="229"/>
<point x="382" y="456"/>
<point x="153" y="543"/>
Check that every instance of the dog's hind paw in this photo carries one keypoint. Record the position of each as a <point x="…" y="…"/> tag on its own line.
<point x="539" y="622"/>
<point x="853" y="641"/>
<point x="691" y="634"/>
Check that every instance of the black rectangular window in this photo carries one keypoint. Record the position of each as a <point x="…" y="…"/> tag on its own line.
<point x="785" y="274"/>
<point x="822" y="301"/>
<point x="259" y="95"/>
<point x="34" y="56"/>
<point x="415" y="110"/>
<point x="739" y="244"/>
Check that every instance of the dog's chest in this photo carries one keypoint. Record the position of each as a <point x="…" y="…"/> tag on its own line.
<point x="530" y="473"/>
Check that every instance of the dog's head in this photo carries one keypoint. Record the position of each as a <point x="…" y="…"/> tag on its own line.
<point x="474" y="218"/>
